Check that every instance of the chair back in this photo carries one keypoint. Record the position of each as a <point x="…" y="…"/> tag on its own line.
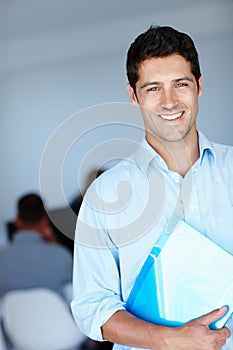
<point x="39" y="319"/>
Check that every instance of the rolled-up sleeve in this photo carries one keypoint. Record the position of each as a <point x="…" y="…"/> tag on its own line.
<point x="96" y="290"/>
<point x="96" y="282"/>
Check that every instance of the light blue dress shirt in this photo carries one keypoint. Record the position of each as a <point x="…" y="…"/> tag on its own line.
<point x="125" y="210"/>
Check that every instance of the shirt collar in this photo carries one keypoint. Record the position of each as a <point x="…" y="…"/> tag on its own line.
<point x="145" y="153"/>
<point x="206" y="148"/>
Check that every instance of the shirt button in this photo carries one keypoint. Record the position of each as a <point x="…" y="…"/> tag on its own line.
<point x="191" y="209"/>
<point x="177" y="179"/>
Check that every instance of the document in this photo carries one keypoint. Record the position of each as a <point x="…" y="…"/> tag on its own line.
<point x="186" y="275"/>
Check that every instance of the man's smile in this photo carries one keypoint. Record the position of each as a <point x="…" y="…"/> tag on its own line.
<point x="171" y="116"/>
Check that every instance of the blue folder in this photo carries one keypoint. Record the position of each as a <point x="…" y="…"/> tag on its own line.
<point x="186" y="275"/>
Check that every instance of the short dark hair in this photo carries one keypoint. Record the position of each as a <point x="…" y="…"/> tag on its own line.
<point x="31" y="208"/>
<point x="160" y="41"/>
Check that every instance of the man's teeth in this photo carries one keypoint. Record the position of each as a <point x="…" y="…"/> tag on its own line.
<point x="171" y="116"/>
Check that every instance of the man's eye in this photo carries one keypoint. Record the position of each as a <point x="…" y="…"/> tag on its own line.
<point x="181" y="84"/>
<point x="154" y="88"/>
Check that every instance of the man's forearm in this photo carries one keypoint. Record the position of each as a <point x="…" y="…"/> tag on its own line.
<point x="124" y="328"/>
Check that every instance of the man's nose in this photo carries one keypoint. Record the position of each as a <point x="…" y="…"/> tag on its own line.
<point x="169" y="99"/>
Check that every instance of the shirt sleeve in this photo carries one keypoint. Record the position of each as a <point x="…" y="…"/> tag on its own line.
<point x="96" y="282"/>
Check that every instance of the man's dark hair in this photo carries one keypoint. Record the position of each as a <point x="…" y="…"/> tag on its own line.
<point x="31" y="208"/>
<point x="160" y="41"/>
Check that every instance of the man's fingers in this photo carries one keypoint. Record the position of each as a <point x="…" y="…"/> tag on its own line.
<point x="223" y="332"/>
<point x="213" y="316"/>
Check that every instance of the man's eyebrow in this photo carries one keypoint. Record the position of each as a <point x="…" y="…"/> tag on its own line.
<point x="181" y="79"/>
<point x="149" y="83"/>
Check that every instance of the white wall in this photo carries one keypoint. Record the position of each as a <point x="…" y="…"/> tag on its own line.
<point x="48" y="76"/>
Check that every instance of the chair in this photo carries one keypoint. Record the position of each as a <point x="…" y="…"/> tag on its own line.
<point x="39" y="319"/>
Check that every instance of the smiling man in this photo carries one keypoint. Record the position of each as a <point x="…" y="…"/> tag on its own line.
<point x="170" y="174"/>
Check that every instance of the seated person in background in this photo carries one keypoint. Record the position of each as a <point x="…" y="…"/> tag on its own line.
<point x="33" y="259"/>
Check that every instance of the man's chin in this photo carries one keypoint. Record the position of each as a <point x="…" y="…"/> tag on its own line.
<point x="165" y="137"/>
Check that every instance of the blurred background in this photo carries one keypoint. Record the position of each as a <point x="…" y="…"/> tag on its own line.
<point x="60" y="57"/>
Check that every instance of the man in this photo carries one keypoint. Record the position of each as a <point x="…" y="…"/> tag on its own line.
<point x="33" y="259"/>
<point x="175" y="171"/>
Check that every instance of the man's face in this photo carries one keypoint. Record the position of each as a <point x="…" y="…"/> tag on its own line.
<point x="167" y="94"/>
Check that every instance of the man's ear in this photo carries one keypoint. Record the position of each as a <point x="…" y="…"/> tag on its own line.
<point x="45" y="219"/>
<point x="18" y="222"/>
<point x="132" y="94"/>
<point x="200" y="86"/>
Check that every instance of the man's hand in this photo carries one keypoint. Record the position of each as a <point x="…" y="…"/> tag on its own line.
<point x="196" y="334"/>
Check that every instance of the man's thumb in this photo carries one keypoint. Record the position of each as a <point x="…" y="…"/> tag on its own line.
<point x="213" y="316"/>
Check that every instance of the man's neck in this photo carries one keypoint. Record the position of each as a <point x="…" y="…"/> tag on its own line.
<point x="179" y="155"/>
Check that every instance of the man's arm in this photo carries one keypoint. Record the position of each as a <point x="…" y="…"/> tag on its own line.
<point x="124" y="328"/>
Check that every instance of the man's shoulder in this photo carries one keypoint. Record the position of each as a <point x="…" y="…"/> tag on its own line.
<point x="121" y="171"/>
<point x="224" y="153"/>
<point x="118" y="179"/>
<point x="223" y="161"/>
<point x="58" y="249"/>
<point x="222" y="148"/>
<point x="4" y="250"/>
